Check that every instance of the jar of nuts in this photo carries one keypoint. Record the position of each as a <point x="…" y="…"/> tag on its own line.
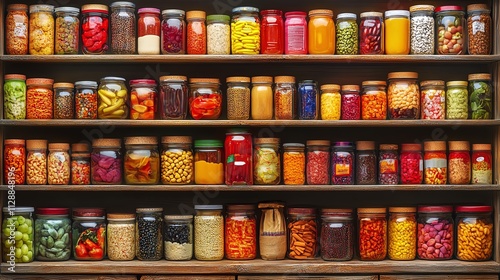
<point x="58" y="164"/>
<point x="86" y="100"/>
<point x="238" y="98"/>
<point x="177" y="160"/>
<point x="474" y="233"/>
<point x="403" y="95"/>
<point x="459" y="162"/>
<point x="141" y="161"/>
<point x="16" y="29"/>
<point x="149" y="234"/>
<point x="479" y="29"/>
<point x="36" y="162"/>
<point x="450" y="26"/>
<point x="80" y="164"/>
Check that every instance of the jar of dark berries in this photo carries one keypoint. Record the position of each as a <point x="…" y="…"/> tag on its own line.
<point x="351" y="102"/>
<point x="337" y="234"/>
<point x="388" y="165"/>
<point x="148" y="234"/>
<point x="173" y="32"/>
<point x="178" y="237"/>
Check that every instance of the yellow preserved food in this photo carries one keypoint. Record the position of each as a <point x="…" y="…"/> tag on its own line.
<point x="397" y="32"/>
<point x="321" y="32"/>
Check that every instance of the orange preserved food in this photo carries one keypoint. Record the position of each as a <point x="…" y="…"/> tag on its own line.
<point x="241" y="232"/>
<point x="321" y="30"/>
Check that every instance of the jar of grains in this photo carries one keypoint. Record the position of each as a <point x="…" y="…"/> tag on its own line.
<point x="372" y="234"/>
<point x="371" y="32"/>
<point x="218" y="34"/>
<point x="366" y="163"/>
<point x="343" y="163"/>
<point x="80" y="164"/>
<point x="435" y="233"/>
<point x="67" y="30"/>
<point x="403" y="96"/>
<point x="479" y="29"/>
<point x="284" y="98"/>
<point x="241" y="232"/>
<point x="351" y="102"/>
<point x="89" y="234"/>
<point x="141" y="164"/>
<point x="330" y="102"/>
<point x="422" y="29"/>
<point x="18" y="219"/>
<point x="64" y="98"/>
<point x="205" y="98"/>
<point x="402" y="232"/>
<point x="106" y="161"/>
<point x="474" y="233"/>
<point x="196" y="32"/>
<point x="39" y="98"/>
<point x="450" y="27"/>
<point x="208" y="233"/>
<point x="123" y="26"/>
<point x="433" y="102"/>
<point x="113" y="97"/>
<point x="262" y="98"/>
<point x="245" y="23"/>
<point x="148" y="31"/>
<point x="177" y="160"/>
<point x="459" y="162"/>
<point x="412" y="164"/>
<point x="266" y="160"/>
<point x="302" y="234"/>
<point x="308" y="100"/>
<point x="178" y="237"/>
<point x="238" y="98"/>
<point x="272" y="231"/>
<point x="337" y="234"/>
<point x="435" y="164"/>
<point x="397" y="32"/>
<point x="388" y="164"/>
<point x="36" y="162"/>
<point x="121" y="237"/>
<point x="294" y="164"/>
<point x="143" y="99"/>
<point x="318" y="157"/>
<point x="239" y="157"/>
<point x="52" y="229"/>
<point x="58" y="164"/>
<point x="148" y="234"/>
<point x="481" y="164"/>
<point x="374" y="100"/>
<point x="481" y="93"/>
<point x="173" y="97"/>
<point x="272" y="32"/>
<point x="86" y="100"/>
<point x="457" y="100"/>
<point x="208" y="162"/>
<point x="41" y="30"/>
<point x="296" y="33"/>
<point x="16" y="29"/>
<point x="321" y="32"/>
<point x="347" y="34"/>
<point x="14" y="161"/>
<point x="95" y="28"/>
<point x="14" y="97"/>
<point x="173" y="32"/>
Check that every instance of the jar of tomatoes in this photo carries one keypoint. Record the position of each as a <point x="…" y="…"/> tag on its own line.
<point x="143" y="99"/>
<point x="208" y="162"/>
<point x="86" y="100"/>
<point x="113" y="96"/>
<point x="14" y="97"/>
<point x="196" y="32"/>
<point x="272" y="32"/>
<point x="58" y="164"/>
<point x="459" y="162"/>
<point x="89" y="234"/>
<point x="321" y="32"/>
<point x="41" y="30"/>
<point x="16" y="29"/>
<point x="205" y="100"/>
<point x="372" y="233"/>
<point x="106" y="161"/>
<point x="39" y="98"/>
<point x="177" y="160"/>
<point x="351" y="102"/>
<point x="238" y="153"/>
<point x="141" y="161"/>
<point x="173" y="32"/>
<point x="148" y="31"/>
<point x="95" y="28"/>
<point x="318" y="158"/>
<point x="412" y="164"/>
<point x="267" y="163"/>
<point x="302" y="234"/>
<point x="36" y="162"/>
<point x="435" y="164"/>
<point x="173" y="97"/>
<point x="343" y="163"/>
<point x="241" y="232"/>
<point x="481" y="164"/>
<point x="14" y="160"/>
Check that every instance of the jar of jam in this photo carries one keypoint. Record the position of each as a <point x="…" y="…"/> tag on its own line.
<point x="205" y="99"/>
<point x="403" y="96"/>
<point x="388" y="164"/>
<point x="18" y="219"/>
<point x="412" y="164"/>
<point x="148" y="31"/>
<point x="284" y="97"/>
<point x="14" y="161"/>
<point x="178" y="237"/>
<point x="459" y="162"/>
<point x="245" y="20"/>
<point x="208" y="162"/>
<point x="435" y="163"/>
<point x="36" y="162"/>
<point x="481" y="164"/>
<point x="123" y="26"/>
<point x="241" y="232"/>
<point x="16" y="29"/>
<point x="177" y="160"/>
<point x="457" y="100"/>
<point x="89" y="234"/>
<point x="397" y="32"/>
<point x="49" y="220"/>
<point x="143" y="99"/>
<point x="149" y="234"/>
<point x="121" y="237"/>
<point x="238" y="153"/>
<point x="294" y="164"/>
<point x="371" y="32"/>
<point x="67" y="30"/>
<point x="337" y="234"/>
<point x="296" y="33"/>
<point x="435" y="221"/>
<point x="113" y="96"/>
<point x="479" y="29"/>
<point x="86" y="100"/>
<point x="106" y="161"/>
<point x="433" y="102"/>
<point x="302" y="234"/>
<point x="173" y="32"/>
<point x="261" y="98"/>
<point x="272" y="36"/>
<point x="39" y="98"/>
<point x="481" y="93"/>
<point x="422" y="29"/>
<point x="450" y="25"/>
<point x="321" y="32"/>
<point x="95" y="29"/>
<point x="351" y="102"/>
<point x="474" y="233"/>
<point x="374" y="100"/>
<point x="173" y="97"/>
<point x="238" y="98"/>
<point x="141" y="161"/>
<point x="208" y="233"/>
<point x="80" y="164"/>
<point x="366" y="163"/>
<point x="58" y="164"/>
<point x="267" y="163"/>
<point x="318" y="158"/>
<point x="272" y="231"/>
<point x="14" y="97"/>
<point x="308" y="100"/>
<point x="343" y="163"/>
<point x="218" y="34"/>
<point x="196" y="32"/>
<point x="64" y="98"/>
<point x="41" y="30"/>
<point x="330" y="102"/>
<point x="372" y="234"/>
<point x="402" y="232"/>
<point x="347" y="34"/>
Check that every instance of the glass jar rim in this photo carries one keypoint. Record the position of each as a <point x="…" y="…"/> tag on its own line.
<point x="18" y="209"/>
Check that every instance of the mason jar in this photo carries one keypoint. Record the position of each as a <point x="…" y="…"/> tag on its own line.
<point x="412" y="163"/>
<point x="403" y="96"/>
<point x="14" y="97"/>
<point x="173" y="32"/>
<point x="397" y="32"/>
<point x="457" y="100"/>
<point x="267" y="163"/>
<point x="58" y="164"/>
<point x="321" y="32"/>
<point x="174" y="95"/>
<point x="64" y="99"/>
<point x="18" y="219"/>
<point x="433" y="100"/>
<point x="296" y="41"/>
<point x="343" y="164"/>
<point x="302" y="224"/>
<point x="294" y="164"/>
<point x="41" y="30"/>
<point x="149" y="234"/>
<point x="141" y="161"/>
<point x="123" y="26"/>
<point x="308" y="100"/>
<point x="337" y="234"/>
<point x="36" y="162"/>
<point x="451" y="37"/>
<point x="238" y="98"/>
<point x="479" y="29"/>
<point x="86" y="100"/>
<point x="113" y="97"/>
<point x="177" y="160"/>
<point x="330" y="102"/>
<point x="106" y="161"/>
<point x="459" y="162"/>
<point x="350" y="102"/>
<point x="480" y="96"/>
<point x="143" y="99"/>
<point x="475" y="231"/>
<point x="196" y="42"/>
<point x="89" y="234"/>
<point x="374" y="100"/>
<point x="80" y="168"/>
<point x="318" y="162"/>
<point x="178" y="237"/>
<point x="95" y="30"/>
<point x="14" y="161"/>
<point x="372" y="229"/>
<point x="39" y="98"/>
<point x="238" y="152"/>
<point x="262" y="98"/>
<point x="245" y="23"/>
<point x="52" y="234"/>
<point x="240" y="232"/>
<point x="371" y="33"/>
<point x="284" y="97"/>
<point x="205" y="98"/>
<point x="208" y="162"/>
<point x="16" y="29"/>
<point x="435" y="220"/>
<point x="388" y="164"/>
<point x="422" y="29"/>
<point x="67" y="30"/>
<point x="148" y="31"/>
<point x="218" y="34"/>
<point x="402" y="233"/>
<point x="366" y="163"/>
<point x="208" y="233"/>
<point x="272" y="32"/>
<point x="482" y="164"/>
<point x="435" y="163"/>
<point x="121" y="237"/>
<point x="347" y="34"/>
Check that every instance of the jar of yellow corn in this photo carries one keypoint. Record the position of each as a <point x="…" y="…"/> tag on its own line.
<point x="402" y="233"/>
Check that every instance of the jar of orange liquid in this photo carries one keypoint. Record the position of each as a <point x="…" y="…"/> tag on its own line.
<point x="397" y="32"/>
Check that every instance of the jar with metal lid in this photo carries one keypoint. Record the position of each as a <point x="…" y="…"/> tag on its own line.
<point x="330" y="102"/>
<point x="482" y="164"/>
<point x="141" y="161"/>
<point x="149" y="234"/>
<point x="474" y="233"/>
<point x="86" y="100"/>
<point x="435" y="233"/>
<point x="238" y="98"/>
<point x="294" y="164"/>
<point x="80" y="164"/>
<point x="177" y="160"/>
<point x="374" y="100"/>
<point x="52" y="234"/>
<point x="302" y="234"/>
<point x="240" y="232"/>
<point x="205" y="98"/>
<point x="208" y="162"/>
<point x="296" y="33"/>
<point x="261" y="98"/>
<point x="266" y="160"/>
<point x="459" y="162"/>
<point x="58" y="164"/>
<point x="208" y="233"/>
<point x="106" y="161"/>
<point x="39" y="98"/>
<point x="321" y="32"/>
<point x="95" y="25"/>
<point x="89" y="234"/>
<point x="64" y="99"/>
<point x="403" y="96"/>
<point x="402" y="232"/>
<point x="173" y="32"/>
<point x="272" y="35"/>
<point x="337" y="234"/>
<point x="272" y="231"/>
<point x="173" y="97"/>
<point x="16" y="29"/>
<point x="433" y="102"/>
<point x="343" y="163"/>
<point x="351" y="102"/>
<point x="397" y="32"/>
<point x="450" y="26"/>
<point x="14" y="97"/>
<point x="67" y="30"/>
<point x="457" y="100"/>
<point x="41" y="30"/>
<point x="422" y="29"/>
<point x="14" y="159"/>
<point x="123" y="26"/>
<point x="178" y="237"/>
<point x="388" y="164"/>
<point x="371" y="33"/>
<point x="239" y="157"/>
<point x="36" y="162"/>
<point x="17" y="219"/>
<point x="196" y="32"/>
<point x="121" y="237"/>
<point x="308" y="100"/>
<point x="143" y="99"/>
<point x="481" y="94"/>
<point x="372" y="233"/>
<point x="347" y="34"/>
<point x="245" y="20"/>
<point x="366" y="163"/>
<point x="284" y="97"/>
<point x="479" y="29"/>
<point x="218" y="34"/>
<point x="149" y="31"/>
<point x="317" y="163"/>
<point x="435" y="163"/>
<point x="412" y="164"/>
<point x="113" y="96"/>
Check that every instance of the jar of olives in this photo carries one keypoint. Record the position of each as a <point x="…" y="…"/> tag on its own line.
<point x="52" y="234"/>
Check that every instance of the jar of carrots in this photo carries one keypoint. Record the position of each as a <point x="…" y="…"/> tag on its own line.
<point x="241" y="232"/>
<point x="302" y="233"/>
<point x="142" y="99"/>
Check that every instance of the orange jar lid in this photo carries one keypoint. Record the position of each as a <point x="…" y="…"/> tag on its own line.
<point x="458" y="145"/>
<point x="36" y="144"/>
<point x="481" y="147"/>
<point x="141" y="140"/>
<point x="284" y="79"/>
<point x="39" y="81"/>
<point x="435" y="146"/>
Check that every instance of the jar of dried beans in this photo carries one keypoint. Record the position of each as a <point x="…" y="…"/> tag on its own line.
<point x="302" y="233"/>
<point x="321" y="32"/>
<point x="371" y="32"/>
<point x="245" y="25"/>
<point x="41" y="30"/>
<point x="196" y="32"/>
<point x="337" y="234"/>
<point x="58" y="164"/>
<point x="149" y="234"/>
<point x="318" y="157"/>
<point x="39" y="98"/>
<point x="67" y="30"/>
<point x="148" y="31"/>
<point x="374" y="100"/>
<point x="343" y="163"/>
<point x="173" y="32"/>
<point x="296" y="33"/>
<point x="481" y="164"/>
<point x="113" y="96"/>
<point x="397" y="32"/>
<point x="143" y="99"/>
<point x="36" y="162"/>
<point x="262" y="98"/>
<point x="14" y="161"/>
<point x="89" y="234"/>
<point x="178" y="237"/>
<point x="435" y="164"/>
<point x="422" y="29"/>
<point x="80" y="164"/>
<point x="481" y="94"/>
<point x="141" y="161"/>
<point x="294" y="164"/>
<point x="372" y="234"/>
<point x="403" y="96"/>
<point x="16" y="29"/>
<point x="205" y="98"/>
<point x="272" y="32"/>
<point x="479" y="29"/>
<point x="433" y="102"/>
<point x="239" y="157"/>
<point x="308" y="100"/>
<point x="173" y="97"/>
<point x="346" y="29"/>
<point x="284" y="98"/>
<point x="218" y="34"/>
<point x="459" y="162"/>
<point x="95" y="25"/>
<point x="474" y="233"/>
<point x="123" y="26"/>
<point x="457" y="100"/>
<point x="388" y="165"/>
<point x="64" y="98"/>
<point x="351" y="102"/>
<point x="14" y="97"/>
<point x="267" y="163"/>
<point x="177" y="160"/>
<point x="366" y="163"/>
<point x="106" y="161"/>
<point x="208" y="233"/>
<point x="86" y="100"/>
<point x="238" y="98"/>
<point x="435" y="233"/>
<point x="330" y="102"/>
<point x="450" y="27"/>
<point x="52" y="234"/>
<point x="208" y="162"/>
<point x="412" y="164"/>
<point x="402" y="232"/>
<point x="241" y="232"/>
<point x="121" y="237"/>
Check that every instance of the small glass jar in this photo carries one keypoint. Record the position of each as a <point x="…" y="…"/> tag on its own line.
<point x="18" y="219"/>
<point x="302" y="234"/>
<point x="294" y="164"/>
<point x="173" y="32"/>
<point x="296" y="33"/>
<point x="366" y="163"/>
<point x="39" y="98"/>
<point x="148" y="31"/>
<point x="412" y="164"/>
<point x="14" y="161"/>
<point x="67" y="30"/>
<point x="457" y="100"/>
<point x="106" y="161"/>
<point x="149" y="234"/>
<point x="208" y="162"/>
<point x="371" y="33"/>
<point x="58" y="164"/>
<point x="433" y="101"/>
<point x="86" y="100"/>
<point x="123" y="26"/>
<point x="89" y="234"/>
<point x="173" y="97"/>
<point x="272" y="35"/>
<point x="14" y="97"/>
<point x="330" y="102"/>
<point x="347" y="34"/>
<point x="403" y="96"/>
<point x="16" y="29"/>
<point x="196" y="32"/>
<point x="177" y="160"/>
<point x="351" y="102"/>
<point x="80" y="166"/>
<point x="36" y="162"/>
<point x="141" y="161"/>
<point x="450" y="26"/>
<point x="261" y="98"/>
<point x="121" y="237"/>
<point x="178" y="237"/>
<point x="374" y="100"/>
<point x="113" y="96"/>
<point x="388" y="164"/>
<point x="372" y="234"/>
<point x="479" y="29"/>
<point x="267" y="163"/>
<point x="308" y="100"/>
<point x="239" y="157"/>
<point x="218" y="34"/>
<point x="321" y="32"/>
<point x="272" y="231"/>
<point x="397" y="32"/>
<point x="241" y="232"/>
<point x="41" y="30"/>
<point x="238" y="98"/>
<point x="317" y="163"/>
<point x="52" y="234"/>
<point x="481" y="94"/>
<point x="64" y="98"/>
<point x="435" y="221"/>
<point x="245" y="20"/>
<point x="95" y="25"/>
<point x="284" y="97"/>
<point x="205" y="98"/>
<point x="474" y="233"/>
<point x="482" y="164"/>
<point x="402" y="232"/>
<point x="422" y="29"/>
<point x="435" y="163"/>
<point x="143" y="99"/>
<point x="208" y="233"/>
<point x="343" y="164"/>
<point x="459" y="162"/>
<point x="337" y="235"/>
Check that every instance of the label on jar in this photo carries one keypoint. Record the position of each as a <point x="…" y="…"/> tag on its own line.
<point x="20" y="30"/>
<point x="481" y="176"/>
<point x="435" y="163"/>
<point x="296" y="37"/>
<point x="388" y="166"/>
<point x="342" y="169"/>
<point x="477" y="26"/>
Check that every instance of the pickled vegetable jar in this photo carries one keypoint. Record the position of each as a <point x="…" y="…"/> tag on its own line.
<point x="435" y="233"/>
<point x="308" y="100"/>
<point x="245" y="25"/>
<point x="347" y="34"/>
<point x="457" y="100"/>
<point x="67" y="30"/>
<point x="173" y="97"/>
<point x="481" y="93"/>
<point x="177" y="160"/>
<point x="372" y="234"/>
<point x="39" y="98"/>
<point x="479" y="29"/>
<point x="196" y="32"/>
<point x="294" y="164"/>
<point x="113" y="96"/>
<point x="402" y="232"/>
<point x="321" y="32"/>
<point x="178" y="237"/>
<point x="238" y="154"/>
<point x="173" y="32"/>
<point x="14" y="160"/>
<point x="14" y="97"/>
<point x="205" y="99"/>
<point x="412" y="164"/>
<point x="148" y="31"/>
<point x="433" y="102"/>
<point x="296" y="33"/>
<point x="435" y="163"/>
<point x="80" y="168"/>
<point x="141" y="161"/>
<point x="267" y="163"/>
<point x="41" y="30"/>
<point x="450" y="26"/>
<point x="351" y="102"/>
<point x="106" y="161"/>
<point x="318" y="158"/>
<point x="95" y="29"/>
<point x="143" y="99"/>
<point x="208" y="233"/>
<point x="86" y="100"/>
<point x="302" y="233"/>
<point x="284" y="98"/>
<point x="208" y="162"/>
<point x="343" y="163"/>
<point x="374" y="100"/>
<point x="481" y="164"/>
<point x="121" y="237"/>
<point x="366" y="163"/>
<point x="330" y="102"/>
<point x="52" y="234"/>
<point x="122" y="28"/>
<point x="64" y="98"/>
<point x="16" y="29"/>
<point x="218" y="34"/>
<point x="474" y="233"/>
<point x="422" y="29"/>
<point x="149" y="234"/>
<point x="17" y="235"/>
<point x="371" y="32"/>
<point x="89" y="234"/>
<point x="262" y="98"/>
<point x="241" y="232"/>
<point x="272" y="32"/>
<point x="403" y="96"/>
<point x="388" y="164"/>
<point x="58" y="164"/>
<point x="36" y="162"/>
<point x="337" y="234"/>
<point x="459" y="162"/>
<point x="397" y="32"/>
<point x="238" y="98"/>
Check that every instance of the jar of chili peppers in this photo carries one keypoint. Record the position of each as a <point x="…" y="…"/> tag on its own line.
<point x="205" y="99"/>
<point x="141" y="161"/>
<point x="67" y="30"/>
<point x="318" y="157"/>
<point x="245" y="25"/>
<point x="36" y="162"/>
<point x="122" y="27"/>
<point x="388" y="165"/>
<point x="481" y="94"/>
<point x="241" y="232"/>
<point x="173" y="97"/>
<point x="39" y="98"/>
<point x="238" y="153"/>
<point x="208" y="162"/>
<point x="143" y="99"/>
<point x="294" y="164"/>
<point x="308" y="100"/>
<point x="95" y="29"/>
<point x="177" y="160"/>
<point x="372" y="234"/>
<point x="89" y="234"/>
<point x="41" y="30"/>
<point x="302" y="233"/>
<point x="330" y="102"/>
<point x="113" y="96"/>
<point x="321" y="32"/>
<point x="14" y="161"/>
<point x="196" y="32"/>
<point x="459" y="162"/>
<point x="86" y="100"/>
<point x="267" y="163"/>
<point x="412" y="164"/>
<point x="16" y="29"/>
<point x="148" y="31"/>
<point x="366" y="163"/>
<point x="351" y="102"/>
<point x="80" y="164"/>
<point x="374" y="100"/>
<point x="481" y="164"/>
<point x="433" y="102"/>
<point x="106" y="161"/>
<point x="64" y="98"/>
<point x="296" y="33"/>
<point x="218" y="34"/>
<point x="435" y="163"/>
<point x="402" y="233"/>
<point x="58" y="164"/>
<point x="272" y="35"/>
<point x="343" y="163"/>
<point x="284" y="97"/>
<point x="371" y="33"/>
<point x="435" y="233"/>
<point x="173" y="32"/>
<point x="337" y="234"/>
<point x="403" y="96"/>
<point x="14" y="97"/>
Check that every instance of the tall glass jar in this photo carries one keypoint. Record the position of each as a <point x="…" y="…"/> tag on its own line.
<point x="284" y="97"/>
<point x="308" y="100"/>
<point x="218" y="34"/>
<point x="321" y="32"/>
<point x="372" y="234"/>
<point x="148" y="31"/>
<point x="403" y="96"/>
<point x="245" y="20"/>
<point x="402" y="232"/>
<point x="241" y="232"/>
<point x="16" y="29"/>
<point x="149" y="234"/>
<point x="95" y="30"/>
<point x="17" y="219"/>
<point x="14" y="97"/>
<point x="302" y="234"/>
<point x="343" y="164"/>
<point x="177" y="160"/>
<point x="196" y="32"/>
<point x="41" y="30"/>
<point x="238" y="98"/>
<point x="52" y="234"/>
<point x="479" y="29"/>
<point x="412" y="164"/>
<point x="450" y="26"/>
<point x="208" y="162"/>
<point x="351" y="102"/>
<point x="481" y="94"/>
<point x="14" y="161"/>
<point x="121" y="237"/>
<point x="64" y="98"/>
<point x="123" y="26"/>
<point x="39" y="98"/>
<point x="238" y="154"/>
<point x="272" y="231"/>
<point x="173" y="32"/>
<point x="272" y="36"/>
<point x="80" y="168"/>
<point x="113" y="96"/>
<point x="86" y="100"/>
<point x="141" y="164"/>
<point x="435" y="163"/>
<point x="173" y="97"/>
<point x="435" y="221"/>
<point x="397" y="32"/>
<point x="67" y="30"/>
<point x="36" y="162"/>
<point x="267" y="163"/>
<point x="106" y="161"/>
<point x="317" y="163"/>
<point x="294" y="164"/>
<point x="143" y="99"/>
<point x="178" y="237"/>
<point x="295" y="33"/>
<point x="459" y="162"/>
<point x="482" y="164"/>
<point x="388" y="164"/>
<point x="366" y="163"/>
<point x="474" y="233"/>
<point x="457" y="100"/>
<point x="261" y="98"/>
<point x="422" y="29"/>
<point x="371" y="33"/>
<point x="58" y="164"/>
<point x="208" y="233"/>
<point x="433" y="100"/>
<point x="89" y="234"/>
<point x="337" y="235"/>
<point x="347" y="34"/>
<point x="374" y="100"/>
<point x="330" y="102"/>
<point x="205" y="98"/>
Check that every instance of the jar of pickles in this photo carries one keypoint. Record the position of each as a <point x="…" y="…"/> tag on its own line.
<point x="366" y="163"/>
<point x="143" y="99"/>
<point x="435" y="163"/>
<point x="330" y="102"/>
<point x="121" y="237"/>
<point x="422" y="29"/>
<point x="208" y="233"/>
<point x="272" y="35"/>
<point x="241" y="232"/>
<point x="106" y="161"/>
<point x="177" y="160"/>
<point x="343" y="164"/>
<point x="308" y="100"/>
<point x="173" y="97"/>
<point x="397" y="32"/>
<point x="64" y="98"/>
<point x="238" y="153"/>
<point x="178" y="237"/>
<point x="86" y="100"/>
<point x="113" y="96"/>
<point x="218" y="34"/>
<point x="148" y="31"/>
<point x="388" y="164"/>
<point x="16" y="29"/>
<point x="450" y="26"/>
<point x="374" y="100"/>
<point x="347" y="34"/>
<point x="80" y="164"/>
<point x="267" y="163"/>
<point x="302" y="234"/>
<point x="372" y="234"/>
<point x="457" y="100"/>
<point x="481" y="164"/>
<point x="321" y="32"/>
<point x="337" y="235"/>
<point x="52" y="234"/>
<point x="403" y="96"/>
<point x="284" y="97"/>
<point x="208" y="162"/>
<point x="196" y="32"/>
<point x="39" y="98"/>
<point x="149" y="234"/>
<point x="41" y="30"/>
<point x="17" y="221"/>
<point x="295" y="32"/>
<point x="294" y="164"/>
<point x="245" y="23"/>
<point x="67" y="30"/>
<point x="318" y="158"/>
<point x="141" y="161"/>
<point x="14" y="160"/>
<point x="402" y="232"/>
<point x="474" y="233"/>
<point x="435" y="233"/>
<point x="173" y="32"/>
<point x="95" y="25"/>
<point x="36" y="162"/>
<point x="481" y="94"/>
<point x="261" y="97"/>
<point x="459" y="162"/>
<point x="205" y="98"/>
<point x="351" y="102"/>
<point x="479" y="29"/>
<point x="58" y="164"/>
<point x="89" y="234"/>
<point x="123" y="26"/>
<point x="433" y="102"/>
<point x="412" y="164"/>
<point x="238" y="98"/>
<point x="14" y="97"/>
<point x="371" y="32"/>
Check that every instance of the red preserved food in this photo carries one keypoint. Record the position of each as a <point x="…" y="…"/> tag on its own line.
<point x="238" y="151"/>
<point x="271" y="32"/>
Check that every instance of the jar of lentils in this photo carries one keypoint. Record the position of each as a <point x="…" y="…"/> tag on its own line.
<point x="422" y="29"/>
<point x="67" y="30"/>
<point x="366" y="163"/>
<point x="479" y="29"/>
<point x="481" y="93"/>
<point x="459" y="162"/>
<point x="141" y="161"/>
<point x="402" y="232"/>
<point x="351" y="102"/>
<point x="343" y="164"/>
<point x="149" y="234"/>
<point x="14" y="97"/>
<point x="435" y="164"/>
<point x="113" y="96"/>
<point x="330" y="102"/>
<point x="403" y="96"/>
<point x="433" y="101"/>
<point x="372" y="233"/>
<point x="64" y="98"/>
<point x="196" y="32"/>
<point x="178" y="237"/>
<point x="39" y="98"/>
<point x="218" y="34"/>
<point x="267" y="163"/>
<point x="388" y="164"/>
<point x="435" y="233"/>
<point x="294" y="164"/>
<point x="173" y="32"/>
<point x="86" y="100"/>
<point x="41" y="30"/>
<point x="284" y="97"/>
<point x="238" y="98"/>
<point x="143" y="99"/>
<point x="95" y="25"/>
<point x="457" y="100"/>
<point x="58" y="164"/>
<point x="52" y="234"/>
<point x="173" y="97"/>
<point x="89" y="234"/>
<point x="177" y="160"/>
<point x="123" y="26"/>
<point x="106" y="161"/>
<point x="450" y="27"/>
<point x="474" y="233"/>
<point x="16" y="29"/>
<point x="121" y="237"/>
<point x="36" y="162"/>
<point x="318" y="158"/>
<point x="412" y="163"/>
<point x="208" y="233"/>
<point x="374" y="100"/>
<point x="208" y="162"/>
<point x="481" y="164"/>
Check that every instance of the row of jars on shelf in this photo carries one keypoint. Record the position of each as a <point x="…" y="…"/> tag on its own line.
<point x="403" y="98"/>
<point x="423" y="29"/>
<point x="148" y="235"/>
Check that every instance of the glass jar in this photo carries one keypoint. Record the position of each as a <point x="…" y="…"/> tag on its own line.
<point x="64" y="98"/>
<point x="17" y="219"/>
<point x="86" y="100"/>
<point x="52" y="234"/>
<point x="272" y="36"/>
<point x="14" y="161"/>
<point x="238" y="98"/>
<point x="435" y="221"/>
<point x="149" y="234"/>
<point x="205" y="98"/>
<point x="262" y="98"/>
<point x="403" y="96"/>
<point x="397" y="32"/>
<point x="474" y="233"/>
<point x="173" y="97"/>
<point x="284" y="98"/>
<point x="177" y="160"/>
<point x="294" y="164"/>
<point x="435" y="164"/>
<point x="208" y="162"/>
<point x="41" y="30"/>
<point x="16" y="29"/>
<point x="272" y="231"/>
<point x="450" y="26"/>
<point x="330" y="102"/>
<point x="121" y="237"/>
<point x="39" y="98"/>
<point x="308" y="100"/>
<point x="141" y="164"/>
<point x="178" y="237"/>
<point x="106" y="161"/>
<point x="321" y="32"/>
<point x="149" y="31"/>
<point x="347" y="34"/>
<point x="481" y="93"/>
<point x="218" y="34"/>
<point x="388" y="165"/>
<point x="295" y="33"/>
<point x="241" y="232"/>
<point x="374" y="100"/>
<point x="80" y="168"/>
<point x="89" y="234"/>
<point x="302" y="234"/>
<point x="267" y="163"/>
<point x="196" y="32"/>
<point x="343" y="164"/>
<point x="94" y="29"/>
<point x="366" y="163"/>
<point x="422" y="29"/>
<point x="122" y="31"/>
<point x="371" y="33"/>
<point x="113" y="96"/>
<point x="457" y="100"/>
<point x="481" y="164"/>
<point x="479" y="29"/>
<point x="433" y="102"/>
<point x="412" y="164"/>
<point x="372" y="234"/>
<point x="36" y="162"/>
<point x="459" y="162"/>
<point x="67" y="30"/>
<point x="318" y="157"/>
<point x="208" y="233"/>
<point x="245" y="20"/>
<point x="173" y="32"/>
<point x="402" y="232"/>
<point x="337" y="235"/>
<point x="351" y="102"/>
<point x="14" y="97"/>
<point x="238" y="153"/>
<point x="143" y="99"/>
<point x="58" y="164"/>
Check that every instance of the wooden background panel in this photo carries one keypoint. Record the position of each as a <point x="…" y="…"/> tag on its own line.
<point x="438" y="277"/>
<point x="189" y="277"/>
<point x="66" y="277"/>
<point x="306" y="277"/>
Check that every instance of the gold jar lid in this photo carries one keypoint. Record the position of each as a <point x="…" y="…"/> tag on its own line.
<point x="374" y="83"/>
<point x="318" y="143"/>
<point x="372" y="210"/>
<point x="481" y="147"/>
<point x="318" y="12"/>
<point x="284" y="79"/>
<point x="36" y="144"/>
<point x="457" y="84"/>
<point x="14" y="142"/>
<point x="402" y="209"/>
<point x="177" y="139"/>
<point x="195" y="15"/>
<point x="80" y="147"/>
<point x="262" y="79"/>
<point x="479" y="76"/>
<point x="458" y="145"/>
<point x="432" y="83"/>
<point x="106" y="143"/>
<point x="59" y="146"/>
<point x="402" y="75"/>
<point x="330" y="87"/>
<point x="365" y="145"/>
<point x="266" y="140"/>
<point x="141" y="140"/>
<point x="416" y="8"/>
<point x="204" y="80"/>
<point x="63" y="85"/>
<point x="173" y="79"/>
<point x="94" y="8"/>
<point x="390" y="147"/>
<point x="435" y="146"/>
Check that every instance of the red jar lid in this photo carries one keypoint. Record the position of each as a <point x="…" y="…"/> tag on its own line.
<point x="473" y="209"/>
<point x="149" y="11"/>
<point x="295" y="13"/>
<point x="15" y="77"/>
<point x="88" y="212"/>
<point x="448" y="8"/>
<point x="301" y="211"/>
<point x="435" y="209"/>
<point x="52" y="211"/>
<point x="142" y="82"/>
<point x="271" y="12"/>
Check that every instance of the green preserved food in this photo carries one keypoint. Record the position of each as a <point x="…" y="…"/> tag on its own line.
<point x="457" y="100"/>
<point x="480" y="96"/>
<point x="15" y="97"/>
<point x="267" y="166"/>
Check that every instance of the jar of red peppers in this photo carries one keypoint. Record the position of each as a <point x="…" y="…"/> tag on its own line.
<point x="86" y="100"/>
<point x="374" y="100"/>
<point x="481" y="164"/>
<point x="318" y="157"/>
<point x="459" y="162"/>
<point x="173" y="97"/>
<point x="141" y="161"/>
<point x="106" y="161"/>
<point x="366" y="163"/>
<point x="95" y="29"/>
<point x="267" y="163"/>
<point x="177" y="160"/>
<point x="371" y="33"/>
<point x="388" y="165"/>
<point x="58" y="164"/>
<point x="64" y="98"/>
<point x="296" y="41"/>
<point x="284" y="97"/>
<point x="113" y="97"/>
<point x="337" y="234"/>
<point x="435" y="164"/>
<point x="402" y="233"/>
<point x="148" y="31"/>
<point x="16" y="29"/>
<point x="208" y="162"/>
<point x="351" y="102"/>
<point x="321" y="32"/>
<point x="196" y="32"/>
<point x="403" y="96"/>
<point x="39" y="98"/>
<point x="89" y="234"/>
<point x="143" y="99"/>
<point x="14" y="161"/>
<point x="205" y="98"/>
<point x="67" y="30"/>
<point x="41" y="30"/>
<point x="343" y="163"/>
<point x="294" y="164"/>
<point x="412" y="164"/>
<point x="302" y="233"/>
<point x="173" y="32"/>
<point x="272" y="35"/>
<point x="122" y="27"/>
<point x="238" y="153"/>
<point x="241" y="232"/>
<point x="36" y="162"/>
<point x="80" y="164"/>
<point x="435" y="233"/>
<point x="372" y="234"/>
<point x="433" y="100"/>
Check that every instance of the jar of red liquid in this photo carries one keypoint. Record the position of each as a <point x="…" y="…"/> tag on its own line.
<point x="271" y="32"/>
<point x="148" y="31"/>
<point x="296" y="33"/>
<point x="435" y="233"/>
<point x="337" y="234"/>
<point x="238" y="151"/>
<point x="435" y="164"/>
<point x="343" y="163"/>
<point x="94" y="29"/>
<point x="459" y="166"/>
<point x="302" y="233"/>
<point x="412" y="164"/>
<point x="371" y="33"/>
<point x="143" y="99"/>
<point x="14" y="161"/>
<point x="372" y="234"/>
<point x="205" y="101"/>
<point x="433" y="102"/>
<point x="39" y="98"/>
<point x="241" y="232"/>
<point x="351" y="102"/>
<point x="317" y="163"/>
<point x="173" y="97"/>
<point x="173" y="32"/>
<point x="388" y="166"/>
<point x="481" y="164"/>
<point x="196" y="32"/>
